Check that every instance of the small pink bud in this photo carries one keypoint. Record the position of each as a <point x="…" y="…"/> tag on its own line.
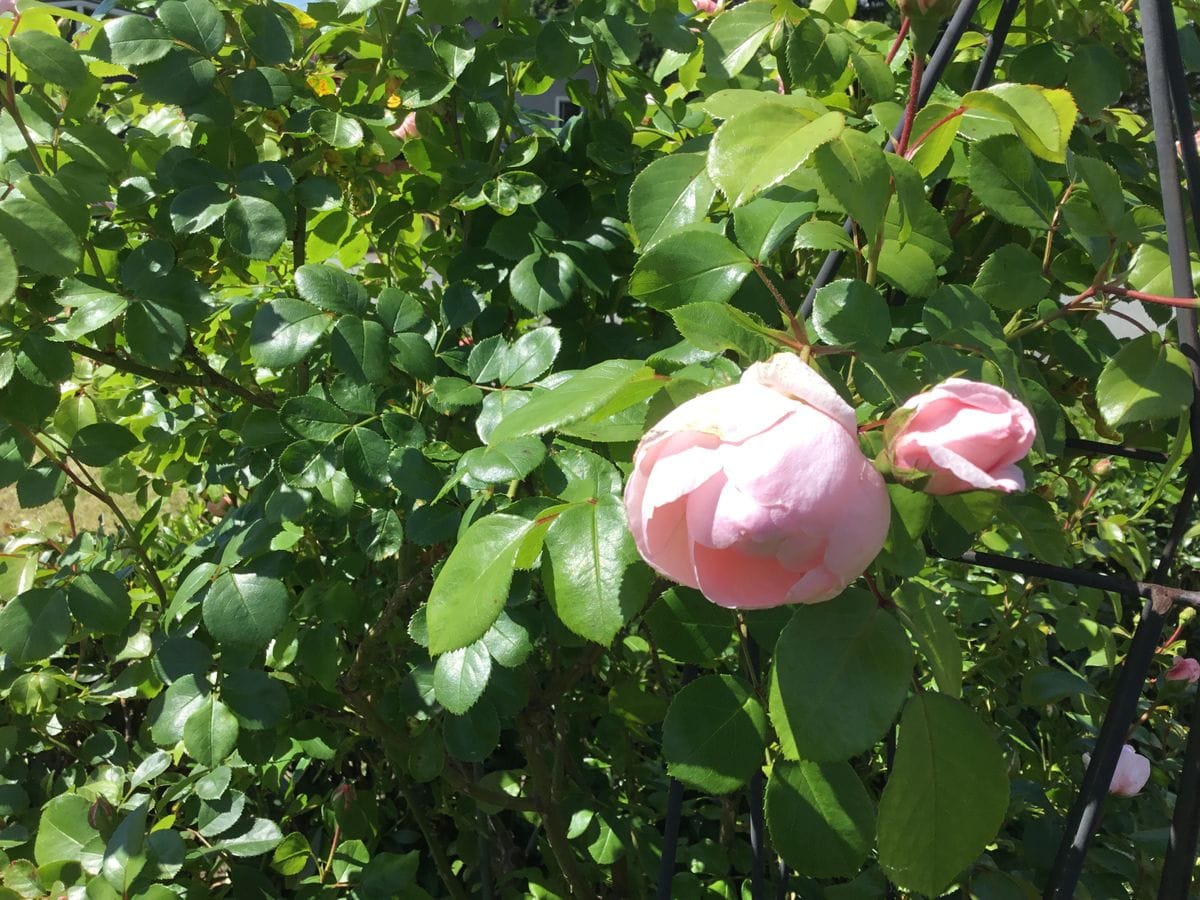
<point x="1183" y="668"/>
<point x="1101" y="467"/>
<point x="1131" y="774"/>
<point x="343" y="797"/>
<point x="8" y="6"/>
<point x="758" y="494"/>
<point x="711" y="7"/>
<point x="965" y="434"/>
<point x="100" y="814"/>
<point x="406" y="130"/>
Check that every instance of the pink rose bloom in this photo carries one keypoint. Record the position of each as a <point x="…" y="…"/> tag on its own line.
<point x="1183" y="668"/>
<point x="708" y="6"/>
<point x="406" y="130"/>
<point x="1131" y="774"/>
<point x="758" y="493"/>
<point x="965" y="434"/>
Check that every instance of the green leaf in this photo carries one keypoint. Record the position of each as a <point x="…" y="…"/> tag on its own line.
<point x="472" y="586"/>
<point x="460" y="677"/>
<point x="93" y="309"/>
<point x="822" y="820"/>
<point x="1095" y="78"/>
<point x="945" y="798"/>
<point x="268" y="32"/>
<point x="908" y="267"/>
<point x="63" y="832"/>
<point x="1004" y="176"/>
<point x="49" y="57"/>
<point x="853" y="314"/>
<point x="689" y="266"/>
<point x="412" y="354"/>
<point x="99" y="601"/>
<point x="34" y="625"/>
<point x="1043" y="117"/>
<point x="102" y="443"/>
<point x="689" y="628"/>
<point x="292" y="855"/>
<point x="359" y="348"/>
<point x="261" y="836"/>
<point x="841" y="672"/>
<point x="763" y="224"/>
<point x="758" y="148"/>
<point x="284" y="331"/>
<point x="1150" y="270"/>
<point x="331" y="288"/>
<point x="928" y="155"/>
<point x="670" y="193"/>
<point x="1148" y="379"/>
<point x="1011" y="279"/>
<point x="508" y="642"/>
<point x="934" y="635"/>
<point x="150" y="768"/>
<point x="717" y="327"/>
<point x="854" y="171"/>
<point x="258" y="700"/>
<point x="876" y="77"/>
<point x="39" y="239"/>
<point x="156" y="334"/>
<point x="714" y="734"/>
<point x="134" y="40"/>
<point x="592" y="572"/>
<point x="735" y="36"/>
<point x="255" y="227"/>
<point x="365" y="455"/>
<point x="181" y="77"/>
<point x="125" y="851"/>
<point x="245" y="610"/>
<point x="197" y="207"/>
<point x="314" y="418"/>
<point x="341" y="132"/>
<point x="529" y="357"/>
<point x="543" y="281"/>
<point x="503" y="462"/>
<point x="196" y="23"/>
<point x="817" y="55"/>
<point x="181" y="698"/>
<point x="1044" y="685"/>
<point x="263" y="86"/>
<point x="8" y="272"/>
<point x="210" y="733"/>
<point x="578" y="395"/>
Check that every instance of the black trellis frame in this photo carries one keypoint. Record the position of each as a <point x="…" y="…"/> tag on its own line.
<point x="1172" y="119"/>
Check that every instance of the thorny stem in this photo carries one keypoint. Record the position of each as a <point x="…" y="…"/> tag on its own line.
<point x="910" y="111"/>
<point x="797" y="326"/>
<point x="1181" y="302"/>
<point x="104" y="497"/>
<point x="551" y="813"/>
<point x="899" y="41"/>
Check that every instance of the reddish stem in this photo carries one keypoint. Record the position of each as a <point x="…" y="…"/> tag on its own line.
<point x="910" y="111"/>
<point x="1181" y="302"/>
<point x="1174" y="636"/>
<point x="900" y="35"/>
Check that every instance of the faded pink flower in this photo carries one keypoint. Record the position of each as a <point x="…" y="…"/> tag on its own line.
<point x="1183" y="668"/>
<point x="965" y="434"/>
<point x="708" y="6"/>
<point x="8" y="6"/>
<point x="758" y="493"/>
<point x="1131" y="774"/>
<point x="406" y="130"/>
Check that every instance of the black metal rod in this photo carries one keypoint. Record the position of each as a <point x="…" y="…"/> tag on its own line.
<point x="1085" y="813"/>
<point x="783" y="882"/>
<point x="1102" y="448"/>
<point x="1081" y="577"/>
<point x="1180" y="861"/>
<point x="754" y="798"/>
<point x="670" y="846"/>
<point x="995" y="45"/>
<point x="938" y="60"/>
<point x="666" y="865"/>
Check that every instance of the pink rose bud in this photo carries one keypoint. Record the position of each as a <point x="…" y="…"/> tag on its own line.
<point x="966" y="435"/>
<point x="708" y="6"/>
<point x="101" y="815"/>
<point x="1131" y="774"/>
<point x="407" y="129"/>
<point x="1183" y="668"/>
<point x="8" y="6"/>
<point x="343" y="797"/>
<point x="758" y="493"/>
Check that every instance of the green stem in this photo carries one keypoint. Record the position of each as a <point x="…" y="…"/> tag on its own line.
<point x="551" y="813"/>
